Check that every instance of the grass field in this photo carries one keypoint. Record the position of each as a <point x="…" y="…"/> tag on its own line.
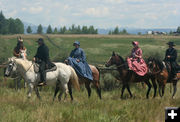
<point x="15" y="107"/>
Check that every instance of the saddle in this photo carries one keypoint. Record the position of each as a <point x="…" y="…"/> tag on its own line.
<point x="51" y="68"/>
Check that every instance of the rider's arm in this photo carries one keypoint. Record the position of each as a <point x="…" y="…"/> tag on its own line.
<point x="15" y="53"/>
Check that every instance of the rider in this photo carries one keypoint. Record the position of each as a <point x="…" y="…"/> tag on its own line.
<point x="42" y="58"/>
<point x="171" y="56"/>
<point x="20" y="50"/>
<point x="135" y="61"/>
<point x="77" y="60"/>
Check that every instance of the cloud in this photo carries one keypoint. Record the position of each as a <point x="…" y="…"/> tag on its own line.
<point x="35" y="10"/>
<point x="11" y="14"/>
<point x="97" y="12"/>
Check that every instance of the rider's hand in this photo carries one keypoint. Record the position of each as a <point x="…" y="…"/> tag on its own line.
<point x="168" y="56"/>
<point x="78" y="60"/>
<point x="33" y="59"/>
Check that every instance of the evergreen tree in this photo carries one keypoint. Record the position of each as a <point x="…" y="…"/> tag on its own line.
<point x="79" y="29"/>
<point x="178" y="29"/>
<point x="116" y="30"/>
<point x="55" y="30"/>
<point x="49" y="30"/>
<point x="84" y="30"/>
<point x="19" y="26"/>
<point x="3" y="24"/>
<point x="40" y="29"/>
<point x="29" y="30"/>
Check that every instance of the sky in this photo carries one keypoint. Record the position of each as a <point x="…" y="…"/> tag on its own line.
<point x="100" y="13"/>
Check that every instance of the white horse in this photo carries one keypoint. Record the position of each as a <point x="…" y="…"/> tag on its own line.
<point x="63" y="77"/>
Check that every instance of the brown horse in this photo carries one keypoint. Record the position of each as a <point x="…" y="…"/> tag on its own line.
<point x="160" y="70"/>
<point x="128" y="76"/>
<point x="87" y="82"/>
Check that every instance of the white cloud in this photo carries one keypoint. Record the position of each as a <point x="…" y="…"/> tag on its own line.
<point x="97" y="12"/>
<point x="35" y="10"/>
<point x="11" y="14"/>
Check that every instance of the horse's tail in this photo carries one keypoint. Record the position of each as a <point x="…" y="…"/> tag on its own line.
<point x="74" y="79"/>
<point x="99" y="73"/>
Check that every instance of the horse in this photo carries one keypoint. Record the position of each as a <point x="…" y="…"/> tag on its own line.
<point x="128" y="76"/>
<point x="95" y="81"/>
<point x="63" y="77"/>
<point x="162" y="75"/>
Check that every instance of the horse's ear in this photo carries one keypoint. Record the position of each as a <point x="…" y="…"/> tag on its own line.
<point x="113" y="53"/>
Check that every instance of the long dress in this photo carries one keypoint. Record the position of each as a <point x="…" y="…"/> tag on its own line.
<point x="81" y="68"/>
<point x="136" y="62"/>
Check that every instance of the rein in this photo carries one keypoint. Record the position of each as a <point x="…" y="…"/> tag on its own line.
<point x="29" y="67"/>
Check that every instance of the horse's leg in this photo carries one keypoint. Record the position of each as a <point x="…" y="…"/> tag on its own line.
<point x="30" y="85"/>
<point x="98" y="88"/>
<point x="15" y="83"/>
<point x="65" y="90"/>
<point x="70" y="90"/>
<point x="160" y="87"/>
<point x="18" y="83"/>
<point x="174" y="88"/>
<point x="155" y="86"/>
<point x="60" y="95"/>
<point x="87" y="85"/>
<point x="37" y="92"/>
<point x="149" y="87"/>
<point x="128" y="88"/>
<point x="163" y="88"/>
<point x="122" y="91"/>
<point x="56" y="91"/>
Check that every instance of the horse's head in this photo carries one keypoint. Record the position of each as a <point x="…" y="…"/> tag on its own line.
<point x="11" y="67"/>
<point x="114" y="60"/>
<point x="151" y="64"/>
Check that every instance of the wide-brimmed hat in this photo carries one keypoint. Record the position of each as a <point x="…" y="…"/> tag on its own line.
<point x="171" y="43"/>
<point x="76" y="43"/>
<point x="40" y="40"/>
<point x="135" y="43"/>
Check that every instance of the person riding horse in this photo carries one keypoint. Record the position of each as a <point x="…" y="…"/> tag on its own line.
<point x="42" y="58"/>
<point x="170" y="57"/>
<point x="20" y="50"/>
<point x="135" y="61"/>
<point x="77" y="60"/>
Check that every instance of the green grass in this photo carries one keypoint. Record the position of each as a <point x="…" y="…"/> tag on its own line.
<point x="15" y="107"/>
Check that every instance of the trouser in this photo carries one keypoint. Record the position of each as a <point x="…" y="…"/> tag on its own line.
<point x="42" y="70"/>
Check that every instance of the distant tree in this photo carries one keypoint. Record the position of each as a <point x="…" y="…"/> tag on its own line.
<point x="55" y="30"/>
<point x="49" y="30"/>
<point x="29" y="30"/>
<point x="116" y="30"/>
<point x="19" y="26"/>
<point x="79" y="29"/>
<point x="110" y="32"/>
<point x="3" y="24"/>
<point x="40" y="29"/>
<point x="178" y="29"/>
<point x="170" y="33"/>
<point x="123" y="31"/>
<point x="139" y="33"/>
<point x="12" y="26"/>
<point x="84" y="30"/>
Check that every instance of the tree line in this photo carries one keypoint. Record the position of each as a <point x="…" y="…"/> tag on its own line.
<point x="10" y="26"/>
<point x="64" y="30"/>
<point x="116" y="31"/>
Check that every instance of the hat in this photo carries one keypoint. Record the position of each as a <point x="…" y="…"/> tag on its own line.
<point x="76" y="43"/>
<point x="171" y="43"/>
<point x="135" y="43"/>
<point x="40" y="40"/>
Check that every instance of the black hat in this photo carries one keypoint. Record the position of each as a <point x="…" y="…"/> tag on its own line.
<point x="40" y="40"/>
<point x="171" y="43"/>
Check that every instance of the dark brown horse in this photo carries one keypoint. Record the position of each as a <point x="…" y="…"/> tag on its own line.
<point x="162" y="74"/>
<point x="87" y="82"/>
<point x="128" y="76"/>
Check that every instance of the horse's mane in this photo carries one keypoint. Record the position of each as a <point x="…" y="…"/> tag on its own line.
<point x="24" y="63"/>
<point x="159" y="63"/>
<point x="121" y="58"/>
